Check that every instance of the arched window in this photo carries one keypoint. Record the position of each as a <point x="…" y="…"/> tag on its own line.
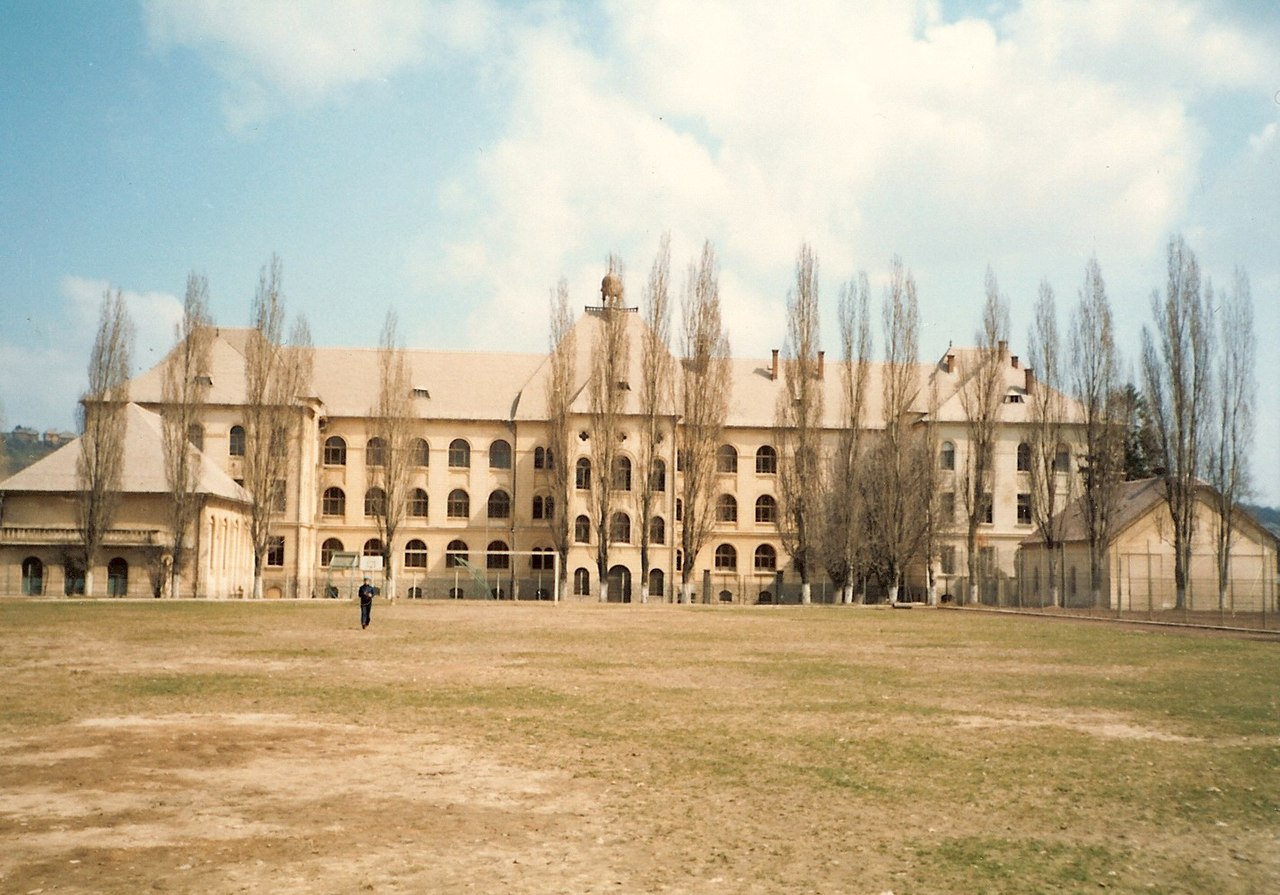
<point x="620" y="529"/>
<point x="766" y="509"/>
<point x="726" y="458"/>
<point x="235" y="444"/>
<point x="621" y="474"/>
<point x="455" y="554"/>
<point x="581" y="582"/>
<point x="498" y="556"/>
<point x="32" y="577"/>
<point x="657" y="530"/>
<point x="415" y="555"/>
<point x="726" y="508"/>
<point x="334" y="502"/>
<point x="726" y="558"/>
<point x="947" y="456"/>
<point x="372" y="547"/>
<point x="679" y="510"/>
<point x="582" y="474"/>
<point x="327" y="549"/>
<point x="1062" y="459"/>
<point x="117" y="578"/>
<point x="766" y="460"/>
<point x="416" y="503"/>
<point x="375" y="452"/>
<point x="459" y="504"/>
<point x="582" y="530"/>
<point x="499" y="455"/>
<point x="195" y="435"/>
<point x="766" y="558"/>
<point x="544" y="506"/>
<point x="375" y="502"/>
<point x="542" y="559"/>
<point x="540" y="458"/>
<point x="1024" y="457"/>
<point x="420" y="453"/>
<point x="499" y="505"/>
<point x="658" y="475"/>
<point x="335" y="451"/>
<point x="459" y="454"/>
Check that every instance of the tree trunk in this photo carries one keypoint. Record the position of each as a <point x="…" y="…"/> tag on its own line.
<point x="644" y="592"/>
<point x="88" y="581"/>
<point x="805" y="593"/>
<point x="893" y="592"/>
<point x="604" y="589"/>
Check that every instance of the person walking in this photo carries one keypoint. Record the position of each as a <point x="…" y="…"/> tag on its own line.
<point x="366" y="601"/>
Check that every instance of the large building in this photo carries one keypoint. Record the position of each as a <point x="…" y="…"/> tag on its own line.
<point x="481" y="488"/>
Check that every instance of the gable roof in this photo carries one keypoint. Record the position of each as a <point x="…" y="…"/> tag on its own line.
<point x="1134" y="501"/>
<point x="143" y="471"/>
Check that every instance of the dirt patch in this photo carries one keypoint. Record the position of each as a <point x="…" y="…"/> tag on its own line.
<point x="347" y="805"/>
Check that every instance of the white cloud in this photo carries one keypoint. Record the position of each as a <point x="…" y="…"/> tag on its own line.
<point x="866" y="130"/>
<point x="302" y="51"/>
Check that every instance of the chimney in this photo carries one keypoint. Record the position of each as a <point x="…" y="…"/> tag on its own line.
<point x="773" y="370"/>
<point x="1002" y="346"/>
<point x="1031" y="380"/>
<point x="948" y="362"/>
<point x="822" y="363"/>
<point x="1013" y="361"/>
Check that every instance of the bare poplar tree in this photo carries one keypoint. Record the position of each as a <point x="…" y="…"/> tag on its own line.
<point x="896" y="493"/>
<point x="655" y="397"/>
<point x="704" y="405"/>
<point x="391" y="421"/>
<point x="277" y="375"/>
<point x="608" y="390"/>
<point x="184" y="389"/>
<point x="103" y="421"/>
<point x="560" y="395"/>
<point x="799" y="426"/>
<point x="982" y="398"/>
<point x="1095" y="378"/>
<point x="1051" y="472"/>
<point x="1176" y="370"/>
<point x="842" y="517"/>
<point x="1228" y="471"/>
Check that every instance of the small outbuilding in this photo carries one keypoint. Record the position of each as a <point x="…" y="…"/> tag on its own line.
<point x="1138" y="573"/>
<point x="40" y="540"/>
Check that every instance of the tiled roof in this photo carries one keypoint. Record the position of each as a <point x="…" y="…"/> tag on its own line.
<point x="143" y="465"/>
<point x="498" y="386"/>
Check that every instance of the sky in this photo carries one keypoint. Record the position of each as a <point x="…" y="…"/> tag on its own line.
<point x="453" y="160"/>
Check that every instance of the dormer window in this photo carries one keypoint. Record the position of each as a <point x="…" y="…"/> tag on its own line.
<point x="421" y="393"/>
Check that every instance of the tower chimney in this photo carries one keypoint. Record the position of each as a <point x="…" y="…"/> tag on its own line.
<point x="773" y="370"/>
<point x="822" y="364"/>
<point x="1031" y="380"/>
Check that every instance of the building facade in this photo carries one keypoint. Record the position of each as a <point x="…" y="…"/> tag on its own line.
<point x="481" y="494"/>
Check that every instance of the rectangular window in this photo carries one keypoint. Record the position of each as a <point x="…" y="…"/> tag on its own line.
<point x="947" y="560"/>
<point x="275" y="552"/>
<point x="1024" y="509"/>
<point x="986" y="508"/>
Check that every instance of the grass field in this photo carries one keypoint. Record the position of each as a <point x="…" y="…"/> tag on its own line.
<point x="481" y="747"/>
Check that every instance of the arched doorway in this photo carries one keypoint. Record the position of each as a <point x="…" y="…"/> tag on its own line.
<point x="657" y="583"/>
<point x="118" y="578"/>
<point x="619" y="584"/>
<point x="32" y="577"/>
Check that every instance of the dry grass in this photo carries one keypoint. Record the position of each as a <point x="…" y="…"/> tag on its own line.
<point x="531" y="748"/>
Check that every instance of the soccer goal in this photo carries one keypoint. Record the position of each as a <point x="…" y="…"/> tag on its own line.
<point x="537" y="579"/>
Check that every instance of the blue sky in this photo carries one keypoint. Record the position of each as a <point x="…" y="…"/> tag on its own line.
<point x="452" y="160"/>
